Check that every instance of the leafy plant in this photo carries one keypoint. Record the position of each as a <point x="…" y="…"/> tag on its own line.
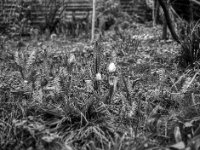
<point x="52" y="14"/>
<point x="189" y="53"/>
<point x="109" y="14"/>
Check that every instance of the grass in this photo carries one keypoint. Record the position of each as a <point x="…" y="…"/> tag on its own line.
<point x="50" y="97"/>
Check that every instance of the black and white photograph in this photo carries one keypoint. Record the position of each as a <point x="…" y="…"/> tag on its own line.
<point x="99" y="74"/>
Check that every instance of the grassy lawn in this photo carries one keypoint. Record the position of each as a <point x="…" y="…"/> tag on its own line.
<point x="125" y="91"/>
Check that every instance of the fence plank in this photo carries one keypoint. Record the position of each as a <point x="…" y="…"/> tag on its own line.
<point x="80" y="7"/>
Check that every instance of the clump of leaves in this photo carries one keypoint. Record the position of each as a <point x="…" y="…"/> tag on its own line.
<point x="32" y="134"/>
<point x="190" y="50"/>
<point x="109" y="14"/>
<point x="89" y="122"/>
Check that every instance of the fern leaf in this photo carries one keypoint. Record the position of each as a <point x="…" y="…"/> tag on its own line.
<point x="17" y="58"/>
<point x="31" y="59"/>
<point x="38" y="95"/>
<point x="57" y="86"/>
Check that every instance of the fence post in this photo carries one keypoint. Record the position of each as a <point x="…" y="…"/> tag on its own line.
<point x="93" y="19"/>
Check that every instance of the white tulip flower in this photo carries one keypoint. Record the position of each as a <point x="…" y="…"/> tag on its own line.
<point x="111" y="67"/>
<point x="25" y="81"/>
<point x="53" y="36"/>
<point x="98" y="76"/>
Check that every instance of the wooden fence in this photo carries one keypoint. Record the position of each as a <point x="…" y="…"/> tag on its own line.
<point x="36" y="10"/>
<point x="136" y="8"/>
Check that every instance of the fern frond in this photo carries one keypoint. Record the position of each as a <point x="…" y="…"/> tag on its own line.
<point x="17" y="58"/>
<point x="31" y="59"/>
<point x="133" y="109"/>
<point x="56" y="84"/>
<point x="189" y="82"/>
<point x="38" y="96"/>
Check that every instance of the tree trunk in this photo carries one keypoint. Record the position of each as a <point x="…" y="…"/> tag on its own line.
<point x="168" y="20"/>
<point x="164" y="35"/>
<point x="156" y="9"/>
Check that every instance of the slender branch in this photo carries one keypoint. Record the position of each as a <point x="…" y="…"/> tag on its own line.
<point x="195" y="1"/>
<point x="169" y="21"/>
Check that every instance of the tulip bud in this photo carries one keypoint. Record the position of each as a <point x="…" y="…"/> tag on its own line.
<point x="113" y="80"/>
<point x="111" y="67"/>
<point x="53" y="36"/>
<point x="98" y="76"/>
<point x="25" y="81"/>
<point x="89" y="87"/>
<point x="71" y="59"/>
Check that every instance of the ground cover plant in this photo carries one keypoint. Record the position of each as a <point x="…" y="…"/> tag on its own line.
<point x="127" y="90"/>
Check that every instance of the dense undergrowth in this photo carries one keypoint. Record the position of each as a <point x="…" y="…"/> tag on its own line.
<point x="124" y="91"/>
